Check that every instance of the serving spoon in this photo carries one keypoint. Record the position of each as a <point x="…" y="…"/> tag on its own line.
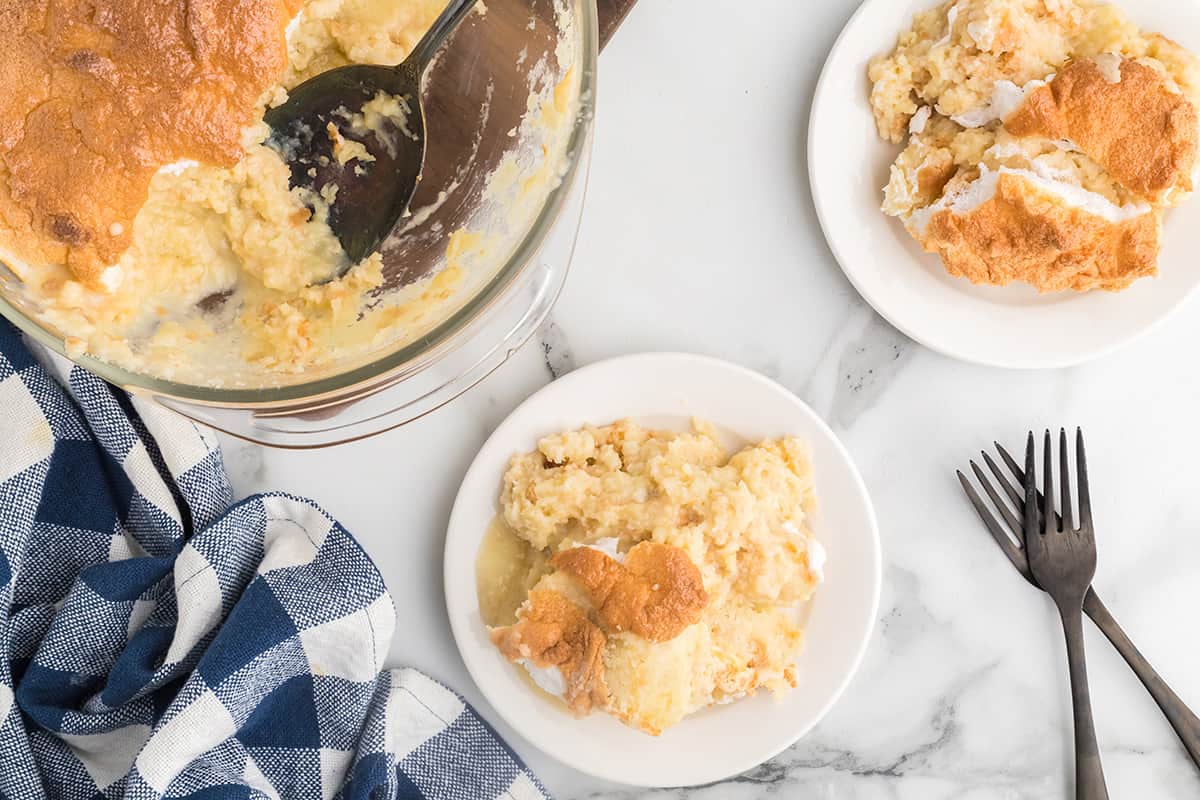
<point x="367" y="193"/>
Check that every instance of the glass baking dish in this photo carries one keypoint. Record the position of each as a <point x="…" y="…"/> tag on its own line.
<point x="477" y="95"/>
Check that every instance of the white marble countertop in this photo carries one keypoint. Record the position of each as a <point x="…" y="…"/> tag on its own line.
<point x="699" y="235"/>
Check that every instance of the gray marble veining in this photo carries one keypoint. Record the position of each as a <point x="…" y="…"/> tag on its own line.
<point x="862" y="360"/>
<point x="556" y="349"/>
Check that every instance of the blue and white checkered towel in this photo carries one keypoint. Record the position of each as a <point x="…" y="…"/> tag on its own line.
<point x="158" y="641"/>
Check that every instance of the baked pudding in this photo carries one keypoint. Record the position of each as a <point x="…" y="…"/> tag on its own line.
<point x="146" y="222"/>
<point x="1045" y="140"/>
<point x="650" y="574"/>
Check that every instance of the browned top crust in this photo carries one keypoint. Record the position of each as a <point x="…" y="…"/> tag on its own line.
<point x="551" y="631"/>
<point x="937" y="172"/>
<point x="1024" y="234"/>
<point x="1137" y="128"/>
<point x="656" y="593"/>
<point x="99" y="94"/>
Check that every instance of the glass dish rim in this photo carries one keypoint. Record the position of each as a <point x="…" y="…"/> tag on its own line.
<point x="388" y="368"/>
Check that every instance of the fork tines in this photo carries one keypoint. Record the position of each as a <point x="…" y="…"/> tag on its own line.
<point x="1003" y="518"/>
<point x="1004" y="536"/>
<point x="1065" y="519"/>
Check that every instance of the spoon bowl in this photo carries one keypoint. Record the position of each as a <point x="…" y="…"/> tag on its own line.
<point x="354" y="140"/>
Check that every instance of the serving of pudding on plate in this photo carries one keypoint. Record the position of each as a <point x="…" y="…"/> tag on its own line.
<point x="1046" y="139"/>
<point x="650" y="574"/>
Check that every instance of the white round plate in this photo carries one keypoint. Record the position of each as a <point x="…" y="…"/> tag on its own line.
<point x="1012" y="326"/>
<point x="666" y="391"/>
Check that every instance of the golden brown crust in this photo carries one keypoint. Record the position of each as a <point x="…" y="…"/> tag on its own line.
<point x="1022" y="234"/>
<point x="99" y="95"/>
<point x="551" y="631"/>
<point x="933" y="177"/>
<point x="656" y="593"/>
<point x="1139" y="130"/>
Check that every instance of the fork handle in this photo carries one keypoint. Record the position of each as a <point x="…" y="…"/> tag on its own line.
<point x="1089" y="772"/>
<point x="1182" y="719"/>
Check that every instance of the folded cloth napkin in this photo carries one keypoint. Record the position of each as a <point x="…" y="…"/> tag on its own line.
<point x="159" y="641"/>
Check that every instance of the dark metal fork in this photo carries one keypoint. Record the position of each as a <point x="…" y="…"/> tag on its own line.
<point x="1063" y="562"/>
<point x="1185" y="723"/>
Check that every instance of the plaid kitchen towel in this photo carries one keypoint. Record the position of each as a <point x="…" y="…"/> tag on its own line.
<point x="159" y="641"/>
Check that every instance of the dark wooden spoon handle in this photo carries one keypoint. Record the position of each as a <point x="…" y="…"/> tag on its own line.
<point x="611" y="13"/>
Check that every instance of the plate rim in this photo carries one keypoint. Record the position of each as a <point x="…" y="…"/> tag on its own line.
<point x="857" y="483"/>
<point x="1033" y="360"/>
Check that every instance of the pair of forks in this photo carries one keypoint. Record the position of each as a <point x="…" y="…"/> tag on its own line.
<point x="1055" y="555"/>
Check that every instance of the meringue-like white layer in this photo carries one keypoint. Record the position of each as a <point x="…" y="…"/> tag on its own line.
<point x="1038" y="164"/>
<point x="817" y="558"/>
<point x="292" y="26"/>
<point x="112" y="277"/>
<point x="983" y="189"/>
<point x="1005" y="149"/>
<point x="919" y="120"/>
<point x="1109" y="65"/>
<point x="548" y="679"/>
<point x="813" y="549"/>
<point x="608" y="547"/>
<point x="178" y="167"/>
<point x="983" y="33"/>
<point x="1006" y="98"/>
<point x="951" y="16"/>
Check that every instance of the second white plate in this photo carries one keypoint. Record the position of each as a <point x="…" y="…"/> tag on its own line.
<point x="1006" y="327"/>
<point x="666" y="391"/>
